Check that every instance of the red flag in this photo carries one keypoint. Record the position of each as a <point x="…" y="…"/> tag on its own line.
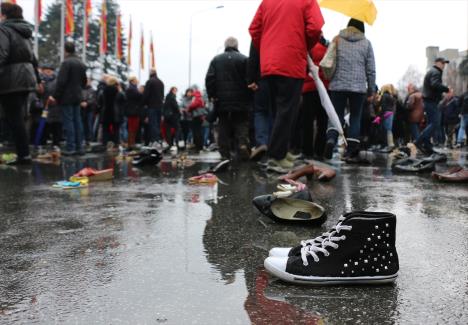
<point x="87" y="14"/>
<point x="69" y="19"/>
<point x="152" y="63"/>
<point x="142" y="50"/>
<point x="129" y="45"/>
<point x="103" y="46"/>
<point x="118" y="38"/>
<point x="37" y="11"/>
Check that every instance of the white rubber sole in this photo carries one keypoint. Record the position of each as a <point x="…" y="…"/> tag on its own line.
<point x="314" y="280"/>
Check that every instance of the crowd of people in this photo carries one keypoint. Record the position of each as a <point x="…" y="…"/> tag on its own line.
<point x="263" y="107"/>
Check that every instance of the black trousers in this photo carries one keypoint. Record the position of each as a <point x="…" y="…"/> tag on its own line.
<point x="197" y="132"/>
<point x="314" y="125"/>
<point x="13" y="106"/>
<point x="185" y="127"/>
<point x="233" y="132"/>
<point x="108" y="136"/>
<point x="54" y="130"/>
<point x="285" y="93"/>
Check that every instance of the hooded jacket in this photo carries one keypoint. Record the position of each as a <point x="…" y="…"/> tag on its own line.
<point x="284" y="31"/>
<point x="226" y="81"/>
<point x="18" y="66"/>
<point x="355" y="63"/>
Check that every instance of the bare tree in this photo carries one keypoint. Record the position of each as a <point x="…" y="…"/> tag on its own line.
<point x="412" y="75"/>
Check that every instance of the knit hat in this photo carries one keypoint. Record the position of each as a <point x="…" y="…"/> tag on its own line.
<point x="357" y="24"/>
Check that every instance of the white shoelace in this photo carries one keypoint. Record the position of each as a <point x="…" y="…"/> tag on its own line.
<point x="320" y="244"/>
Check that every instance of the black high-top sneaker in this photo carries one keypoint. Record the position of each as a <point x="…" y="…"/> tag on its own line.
<point x="360" y="250"/>
<point x="296" y="251"/>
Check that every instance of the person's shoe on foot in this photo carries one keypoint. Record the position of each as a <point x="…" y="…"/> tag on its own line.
<point x="20" y="161"/>
<point x="258" y="152"/>
<point x="282" y="166"/>
<point x="359" y="249"/>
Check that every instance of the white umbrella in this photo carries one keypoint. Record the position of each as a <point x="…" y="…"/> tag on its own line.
<point x="324" y="98"/>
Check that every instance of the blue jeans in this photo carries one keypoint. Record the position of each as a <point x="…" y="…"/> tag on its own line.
<point x="463" y="130"/>
<point x="87" y="118"/>
<point x="73" y="127"/>
<point x="388" y="123"/>
<point x="154" y="121"/>
<point x="206" y="136"/>
<point x="124" y="130"/>
<point x="414" y="128"/>
<point x="433" y="122"/>
<point x="262" y="114"/>
<point x="356" y="102"/>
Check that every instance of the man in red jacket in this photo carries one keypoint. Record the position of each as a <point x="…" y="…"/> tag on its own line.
<point x="284" y="31"/>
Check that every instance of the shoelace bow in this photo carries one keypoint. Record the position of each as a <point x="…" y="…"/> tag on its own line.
<point x="319" y="245"/>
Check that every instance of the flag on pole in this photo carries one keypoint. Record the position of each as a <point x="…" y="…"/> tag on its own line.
<point x="69" y="19"/>
<point x="118" y="38"/>
<point x="37" y="11"/>
<point x="87" y="14"/>
<point x="152" y="63"/>
<point x="142" y="50"/>
<point x="103" y="45"/>
<point x="129" y="45"/>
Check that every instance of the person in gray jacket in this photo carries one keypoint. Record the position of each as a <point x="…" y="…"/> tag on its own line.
<point x="354" y="79"/>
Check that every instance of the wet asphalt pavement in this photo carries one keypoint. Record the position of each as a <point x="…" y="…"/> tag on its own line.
<point x="147" y="248"/>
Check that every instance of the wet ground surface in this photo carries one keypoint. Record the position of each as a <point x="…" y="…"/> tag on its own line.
<point x="147" y="248"/>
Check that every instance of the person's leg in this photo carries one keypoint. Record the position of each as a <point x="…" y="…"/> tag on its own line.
<point x="297" y="130"/>
<point x="240" y="122"/>
<point x="56" y="133"/>
<point x="308" y="119"/>
<point x="68" y="127"/>
<point x="169" y="138"/>
<point x="158" y="124"/>
<point x="388" y="126"/>
<point x="322" y="122"/>
<point x="197" y="133"/>
<point x="287" y="93"/>
<point x="116" y="134"/>
<point x="84" y="122"/>
<point x="339" y="100"/>
<point x="152" y="125"/>
<point x="78" y="126"/>
<point x="465" y="125"/>
<point x="430" y="108"/>
<point x="13" y="107"/>
<point x="414" y="131"/>
<point x="461" y="131"/>
<point x="356" y="102"/>
<point x="224" y="136"/>
<point x="262" y="116"/>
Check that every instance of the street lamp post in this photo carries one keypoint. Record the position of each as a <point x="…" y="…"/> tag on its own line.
<point x="190" y="41"/>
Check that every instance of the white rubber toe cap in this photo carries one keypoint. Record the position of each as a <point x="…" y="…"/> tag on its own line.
<point x="279" y="252"/>
<point x="276" y="265"/>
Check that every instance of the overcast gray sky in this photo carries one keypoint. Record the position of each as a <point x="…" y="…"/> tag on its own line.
<point x="400" y="34"/>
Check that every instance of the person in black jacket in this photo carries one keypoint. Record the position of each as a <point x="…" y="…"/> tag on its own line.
<point x="71" y="81"/>
<point x="88" y="109"/>
<point x="226" y="85"/>
<point x="171" y="114"/>
<point x="113" y="104"/>
<point x="433" y="89"/>
<point x="153" y="97"/>
<point x="133" y="110"/>
<point x="18" y="74"/>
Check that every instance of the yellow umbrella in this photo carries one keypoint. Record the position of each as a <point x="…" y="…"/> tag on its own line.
<point x="363" y="10"/>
